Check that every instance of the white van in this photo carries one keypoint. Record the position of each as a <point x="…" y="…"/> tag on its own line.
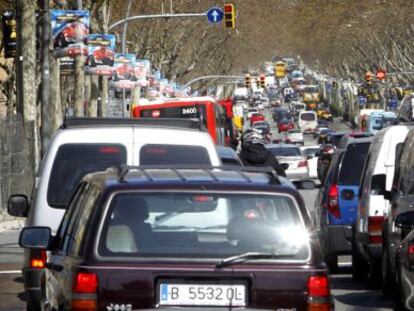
<point x="85" y="145"/>
<point x="308" y="121"/>
<point x="373" y="207"/>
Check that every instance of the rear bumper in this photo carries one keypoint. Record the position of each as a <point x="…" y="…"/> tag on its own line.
<point x="340" y="239"/>
<point x="297" y="174"/>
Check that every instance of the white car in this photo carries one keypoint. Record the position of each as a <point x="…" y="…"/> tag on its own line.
<point x="291" y="155"/>
<point x="308" y="121"/>
<point x="309" y="152"/>
<point x="265" y="102"/>
<point x="294" y="136"/>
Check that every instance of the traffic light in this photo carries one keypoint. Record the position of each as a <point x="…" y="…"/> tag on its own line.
<point x="263" y="81"/>
<point x="257" y="82"/>
<point x="368" y="76"/>
<point x="229" y="16"/>
<point x="247" y="81"/>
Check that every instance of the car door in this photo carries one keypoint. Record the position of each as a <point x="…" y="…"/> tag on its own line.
<point x="68" y="243"/>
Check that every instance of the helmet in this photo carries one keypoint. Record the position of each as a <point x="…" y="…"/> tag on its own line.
<point x="253" y="137"/>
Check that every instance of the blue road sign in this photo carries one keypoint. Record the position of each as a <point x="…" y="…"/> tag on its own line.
<point x="215" y="15"/>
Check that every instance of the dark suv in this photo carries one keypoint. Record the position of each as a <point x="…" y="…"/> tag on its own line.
<point x="146" y="238"/>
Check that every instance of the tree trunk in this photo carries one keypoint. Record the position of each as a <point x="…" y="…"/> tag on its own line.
<point x="27" y="41"/>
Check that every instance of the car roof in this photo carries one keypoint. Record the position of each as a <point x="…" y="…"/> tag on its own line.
<point x="191" y="178"/>
<point x="281" y="146"/>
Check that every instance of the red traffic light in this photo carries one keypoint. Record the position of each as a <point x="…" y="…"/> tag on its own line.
<point x="262" y="77"/>
<point x="228" y="8"/>
<point x="380" y="74"/>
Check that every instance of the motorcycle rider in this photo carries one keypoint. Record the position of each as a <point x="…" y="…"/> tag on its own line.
<point x="254" y="153"/>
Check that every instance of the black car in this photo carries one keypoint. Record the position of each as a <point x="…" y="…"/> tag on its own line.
<point x="405" y="262"/>
<point x="144" y="238"/>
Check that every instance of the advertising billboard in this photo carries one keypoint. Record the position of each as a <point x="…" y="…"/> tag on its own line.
<point x="101" y="54"/>
<point x="123" y="74"/>
<point x="9" y="33"/>
<point x="70" y="29"/>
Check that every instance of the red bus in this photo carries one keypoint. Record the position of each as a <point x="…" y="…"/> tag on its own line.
<point x="206" y="109"/>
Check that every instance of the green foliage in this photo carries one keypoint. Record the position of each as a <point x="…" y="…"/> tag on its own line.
<point x="336" y="110"/>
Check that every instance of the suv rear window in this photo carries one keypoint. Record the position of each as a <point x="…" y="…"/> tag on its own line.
<point x="353" y="163"/>
<point x="307" y="117"/>
<point x="73" y="162"/>
<point x="202" y="225"/>
<point x="156" y="154"/>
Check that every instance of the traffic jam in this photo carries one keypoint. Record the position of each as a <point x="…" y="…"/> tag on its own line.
<point x="264" y="197"/>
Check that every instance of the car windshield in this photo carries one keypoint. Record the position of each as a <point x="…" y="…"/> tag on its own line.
<point x="353" y="164"/>
<point x="307" y="117"/>
<point x="203" y="225"/>
<point x="310" y="151"/>
<point x="285" y="151"/>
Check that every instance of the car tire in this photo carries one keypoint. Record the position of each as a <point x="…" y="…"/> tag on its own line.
<point x="32" y="306"/>
<point x="399" y="306"/>
<point x="375" y="273"/>
<point x="331" y="261"/>
<point x="388" y="285"/>
<point x="359" y="265"/>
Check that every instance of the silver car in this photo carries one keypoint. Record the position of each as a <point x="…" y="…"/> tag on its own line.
<point x="290" y="154"/>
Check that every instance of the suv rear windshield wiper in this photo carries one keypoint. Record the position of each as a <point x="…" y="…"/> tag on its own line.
<point x="250" y="255"/>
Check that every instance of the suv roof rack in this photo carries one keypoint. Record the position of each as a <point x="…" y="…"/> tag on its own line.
<point x="123" y="170"/>
<point x="71" y="122"/>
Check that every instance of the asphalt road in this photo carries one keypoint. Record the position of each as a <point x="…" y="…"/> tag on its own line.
<point x="349" y="295"/>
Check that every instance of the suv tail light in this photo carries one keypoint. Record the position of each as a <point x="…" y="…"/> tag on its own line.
<point x="319" y="294"/>
<point x="375" y="229"/>
<point x="84" y="288"/>
<point x="332" y="205"/>
<point x="303" y="163"/>
<point x="37" y="259"/>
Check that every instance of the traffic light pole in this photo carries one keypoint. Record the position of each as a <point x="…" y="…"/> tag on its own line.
<point x="152" y="16"/>
<point x="240" y="78"/>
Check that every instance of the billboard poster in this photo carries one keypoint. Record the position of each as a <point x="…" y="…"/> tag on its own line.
<point x="67" y="65"/>
<point x="123" y="73"/>
<point x="9" y="33"/>
<point x="70" y="29"/>
<point x="101" y="54"/>
<point x="142" y="69"/>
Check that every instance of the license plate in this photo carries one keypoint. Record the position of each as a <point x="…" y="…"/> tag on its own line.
<point x="202" y="295"/>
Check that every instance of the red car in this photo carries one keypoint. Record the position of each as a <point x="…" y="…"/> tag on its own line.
<point x="101" y="56"/>
<point x="72" y="33"/>
<point x="284" y="125"/>
<point x="256" y="117"/>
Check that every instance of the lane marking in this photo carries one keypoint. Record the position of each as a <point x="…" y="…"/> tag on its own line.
<point x="11" y="272"/>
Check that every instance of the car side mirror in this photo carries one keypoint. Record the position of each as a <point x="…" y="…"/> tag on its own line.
<point x="18" y="205"/>
<point x="35" y="237"/>
<point x="405" y="220"/>
<point x="305" y="184"/>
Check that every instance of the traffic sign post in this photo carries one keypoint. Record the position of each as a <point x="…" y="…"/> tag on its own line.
<point x="215" y="15"/>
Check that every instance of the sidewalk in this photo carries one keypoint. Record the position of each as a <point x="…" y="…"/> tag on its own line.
<point x="8" y="222"/>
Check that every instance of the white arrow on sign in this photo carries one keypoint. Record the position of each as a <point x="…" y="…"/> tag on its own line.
<point x="215" y="15"/>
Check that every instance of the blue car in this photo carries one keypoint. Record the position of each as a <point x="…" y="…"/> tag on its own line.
<point x="337" y="202"/>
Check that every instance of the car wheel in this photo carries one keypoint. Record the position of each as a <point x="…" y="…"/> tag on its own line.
<point x="32" y="306"/>
<point x="359" y="265"/>
<point x="388" y="285"/>
<point x="332" y="263"/>
<point x="375" y="273"/>
<point x="399" y="297"/>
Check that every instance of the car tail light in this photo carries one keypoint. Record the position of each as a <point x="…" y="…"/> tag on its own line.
<point x="303" y="163"/>
<point x="319" y="295"/>
<point x="84" y="290"/>
<point x="375" y="229"/>
<point x="332" y="205"/>
<point x="38" y="259"/>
